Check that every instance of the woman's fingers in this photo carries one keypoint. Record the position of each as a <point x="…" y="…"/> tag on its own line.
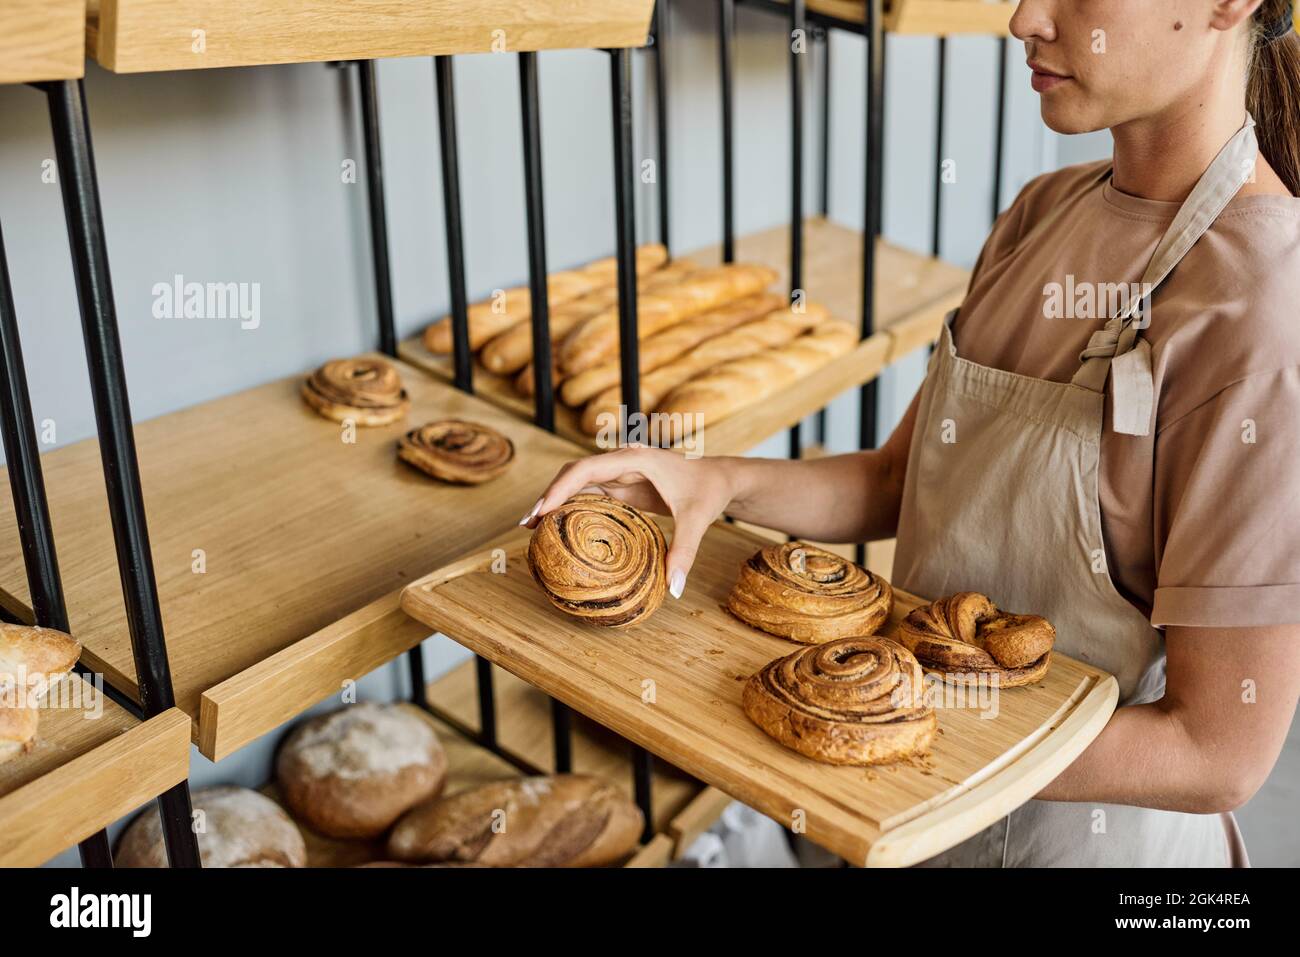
<point x="577" y="475"/>
<point x="688" y="529"/>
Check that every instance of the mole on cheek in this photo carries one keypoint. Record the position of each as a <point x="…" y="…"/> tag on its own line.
<point x="1178" y="24"/>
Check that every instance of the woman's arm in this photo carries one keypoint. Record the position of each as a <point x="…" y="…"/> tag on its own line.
<point x="1211" y="741"/>
<point x="845" y="498"/>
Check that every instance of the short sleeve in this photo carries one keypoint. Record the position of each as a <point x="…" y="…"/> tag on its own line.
<point x="1227" y="508"/>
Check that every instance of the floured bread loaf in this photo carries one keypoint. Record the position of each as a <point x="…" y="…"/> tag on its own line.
<point x="355" y="771"/>
<point x="235" y="827"/>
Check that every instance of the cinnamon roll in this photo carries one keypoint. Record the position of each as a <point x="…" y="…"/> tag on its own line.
<point x="464" y="453"/>
<point x="367" y="390"/>
<point x="810" y="595"/>
<point x="853" y="701"/>
<point x="600" y="560"/>
<point x="966" y="639"/>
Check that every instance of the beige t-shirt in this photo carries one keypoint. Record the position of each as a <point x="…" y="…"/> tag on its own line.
<point x="1201" y="518"/>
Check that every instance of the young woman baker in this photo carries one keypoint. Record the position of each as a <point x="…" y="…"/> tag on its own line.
<point x="1135" y="478"/>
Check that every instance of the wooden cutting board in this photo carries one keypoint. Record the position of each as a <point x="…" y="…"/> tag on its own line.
<point x="989" y="757"/>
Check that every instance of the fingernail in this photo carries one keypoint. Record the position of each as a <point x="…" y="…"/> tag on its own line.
<point x="531" y="515"/>
<point x="677" y="583"/>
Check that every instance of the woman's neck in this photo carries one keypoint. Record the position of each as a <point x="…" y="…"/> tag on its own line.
<point x="1162" y="156"/>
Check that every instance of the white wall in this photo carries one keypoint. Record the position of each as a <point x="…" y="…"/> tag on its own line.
<point x="234" y="176"/>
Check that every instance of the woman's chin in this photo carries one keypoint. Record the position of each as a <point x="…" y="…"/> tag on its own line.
<point x="1067" y="118"/>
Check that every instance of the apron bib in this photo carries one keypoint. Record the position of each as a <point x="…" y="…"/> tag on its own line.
<point x="1025" y="529"/>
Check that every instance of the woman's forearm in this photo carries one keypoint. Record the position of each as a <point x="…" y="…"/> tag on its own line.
<point x="844" y="498"/>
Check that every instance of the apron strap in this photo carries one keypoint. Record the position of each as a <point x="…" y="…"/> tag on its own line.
<point x="1115" y="349"/>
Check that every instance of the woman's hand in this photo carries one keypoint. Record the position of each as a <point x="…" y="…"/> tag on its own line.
<point x="695" y="492"/>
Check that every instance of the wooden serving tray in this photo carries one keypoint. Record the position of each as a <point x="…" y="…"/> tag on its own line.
<point x="698" y="657"/>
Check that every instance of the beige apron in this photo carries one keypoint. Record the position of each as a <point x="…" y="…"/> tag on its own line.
<point x="1001" y="498"/>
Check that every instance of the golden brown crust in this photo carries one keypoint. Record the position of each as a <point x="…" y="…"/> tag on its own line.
<point x="854" y="701"/>
<point x="353" y="772"/>
<point x="566" y="820"/>
<point x="600" y="560"/>
<point x="366" y="390"/>
<point x="453" y="450"/>
<point x="967" y="640"/>
<point x="17" y="731"/>
<point x="34" y="656"/>
<point x="807" y="594"/>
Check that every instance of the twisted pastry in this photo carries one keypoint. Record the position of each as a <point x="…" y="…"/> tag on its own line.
<point x="966" y="639"/>
<point x="367" y="390"/>
<point x="464" y="453"/>
<point x="853" y="701"/>
<point x="808" y="594"/>
<point x="600" y="560"/>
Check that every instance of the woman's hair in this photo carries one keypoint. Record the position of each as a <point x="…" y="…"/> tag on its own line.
<point x="1273" y="90"/>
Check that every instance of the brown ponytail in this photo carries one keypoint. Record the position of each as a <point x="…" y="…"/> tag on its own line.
<point x="1273" y="92"/>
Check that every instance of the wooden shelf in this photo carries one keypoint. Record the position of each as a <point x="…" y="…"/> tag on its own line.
<point x="42" y="40"/>
<point x="915" y="17"/>
<point x="469" y="765"/>
<point x="145" y="36"/>
<point x="307" y="542"/>
<point x="84" y="773"/>
<point x="524" y="731"/>
<point x="913" y="292"/>
<point x="699" y="656"/>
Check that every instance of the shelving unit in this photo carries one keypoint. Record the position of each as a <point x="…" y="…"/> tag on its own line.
<point x="981" y="765"/>
<point x="145" y="36"/>
<point x="910" y="17"/>
<point x="41" y="40"/>
<point x="912" y="295"/>
<point x="307" y="541"/>
<point x="469" y="765"/>
<point x="83" y="774"/>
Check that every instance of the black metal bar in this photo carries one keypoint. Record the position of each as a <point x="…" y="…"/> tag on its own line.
<point x="113" y="694"/>
<point x="378" y="214"/>
<point x="726" y="44"/>
<point x="625" y="230"/>
<point x="543" y="385"/>
<point x="562" y="731"/>
<point x="81" y="207"/>
<point x="936" y="223"/>
<point x="487" y="710"/>
<point x="824" y="176"/>
<point x="643" y="765"/>
<point x="871" y="217"/>
<point x="659" y="31"/>
<point x="31" y="510"/>
<point x="798" y="41"/>
<point x="1000" y="127"/>
<point x="447" y="139"/>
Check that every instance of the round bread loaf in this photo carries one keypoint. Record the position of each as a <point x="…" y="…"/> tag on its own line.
<point x="355" y="771"/>
<point x="236" y="827"/>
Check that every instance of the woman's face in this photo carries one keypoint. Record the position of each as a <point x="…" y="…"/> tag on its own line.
<point x="1100" y="63"/>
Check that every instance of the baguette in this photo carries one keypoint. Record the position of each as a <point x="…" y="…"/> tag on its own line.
<point x="494" y="315"/>
<point x="734" y="385"/>
<point x="596" y="339"/>
<point x="512" y="350"/>
<point x="566" y="820"/>
<point x="773" y="329"/>
<point x="663" y="347"/>
<point x="31" y="660"/>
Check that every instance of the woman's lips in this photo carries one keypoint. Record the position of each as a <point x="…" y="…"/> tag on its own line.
<point x="1044" y="79"/>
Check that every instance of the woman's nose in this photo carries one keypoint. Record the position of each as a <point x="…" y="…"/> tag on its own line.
<point x="1034" y="20"/>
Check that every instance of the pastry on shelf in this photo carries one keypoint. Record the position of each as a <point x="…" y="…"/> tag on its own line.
<point x="31" y="660"/>
<point x="597" y="339"/>
<point x="727" y="388"/>
<point x="599" y="560"/>
<point x="809" y="595"/>
<point x="966" y="640"/>
<point x="776" y="328"/>
<point x="856" y="701"/>
<point x="235" y="827"/>
<point x="564" y="820"/>
<point x="366" y="391"/>
<point x="353" y="772"/>
<point x="456" y="451"/>
<point x="494" y="315"/>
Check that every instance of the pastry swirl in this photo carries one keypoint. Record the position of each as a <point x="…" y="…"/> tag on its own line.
<point x="808" y="594"/>
<point x="852" y="701"/>
<point x="464" y="453"/>
<point x="600" y="560"/>
<point x="366" y="390"/>
<point x="966" y="639"/>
